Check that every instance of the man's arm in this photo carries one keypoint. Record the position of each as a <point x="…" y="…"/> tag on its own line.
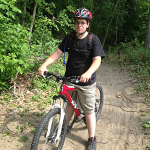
<point x="94" y="66"/>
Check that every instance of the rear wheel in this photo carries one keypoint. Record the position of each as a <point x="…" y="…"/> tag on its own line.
<point x="40" y="142"/>
<point x="99" y="97"/>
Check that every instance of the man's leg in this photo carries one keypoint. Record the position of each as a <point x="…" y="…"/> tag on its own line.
<point x="91" y="124"/>
<point x="69" y="112"/>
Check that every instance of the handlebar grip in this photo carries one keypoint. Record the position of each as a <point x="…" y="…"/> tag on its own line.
<point x="46" y="74"/>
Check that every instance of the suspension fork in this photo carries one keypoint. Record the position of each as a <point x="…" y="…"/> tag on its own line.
<point x="62" y="114"/>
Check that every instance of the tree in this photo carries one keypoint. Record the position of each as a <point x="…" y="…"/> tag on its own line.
<point x="110" y="22"/>
<point x="32" y="22"/>
<point x="24" y="12"/>
<point x="147" y="41"/>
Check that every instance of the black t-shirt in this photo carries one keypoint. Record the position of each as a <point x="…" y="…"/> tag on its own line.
<point x="80" y="56"/>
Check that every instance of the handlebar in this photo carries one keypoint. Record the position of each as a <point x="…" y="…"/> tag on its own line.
<point x="72" y="79"/>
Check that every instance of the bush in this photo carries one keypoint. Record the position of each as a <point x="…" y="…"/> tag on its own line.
<point x="14" y="52"/>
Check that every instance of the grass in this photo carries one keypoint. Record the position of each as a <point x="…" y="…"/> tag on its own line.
<point x="23" y="139"/>
<point x="6" y="133"/>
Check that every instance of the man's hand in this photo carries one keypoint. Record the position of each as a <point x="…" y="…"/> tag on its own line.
<point x="41" y="70"/>
<point x="85" y="77"/>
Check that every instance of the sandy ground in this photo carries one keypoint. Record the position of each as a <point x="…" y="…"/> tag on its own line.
<point x="118" y="128"/>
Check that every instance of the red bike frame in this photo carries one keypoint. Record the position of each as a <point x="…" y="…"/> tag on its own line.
<point x="64" y="91"/>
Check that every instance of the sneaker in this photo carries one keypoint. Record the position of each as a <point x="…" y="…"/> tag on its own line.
<point x="92" y="143"/>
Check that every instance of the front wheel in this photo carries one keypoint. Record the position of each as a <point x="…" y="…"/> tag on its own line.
<point x="40" y="142"/>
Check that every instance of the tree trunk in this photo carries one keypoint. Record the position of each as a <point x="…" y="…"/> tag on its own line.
<point x="91" y="11"/>
<point x="98" y="22"/>
<point x="110" y="23"/>
<point x="24" y="13"/>
<point x="117" y="28"/>
<point x="147" y="41"/>
<point x="33" y="17"/>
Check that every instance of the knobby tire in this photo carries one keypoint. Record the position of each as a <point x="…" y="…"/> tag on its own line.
<point x="100" y="99"/>
<point x="39" y="137"/>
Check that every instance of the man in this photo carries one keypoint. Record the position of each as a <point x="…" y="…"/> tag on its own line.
<point x="83" y="60"/>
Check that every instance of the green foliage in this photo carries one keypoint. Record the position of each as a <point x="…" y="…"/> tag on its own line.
<point x="43" y="43"/>
<point x="129" y="20"/>
<point x="6" y="133"/>
<point x="8" y="11"/>
<point x="65" y="22"/>
<point x="23" y="139"/>
<point x="54" y="19"/>
<point x="41" y="83"/>
<point x="14" y="52"/>
<point x="146" y="124"/>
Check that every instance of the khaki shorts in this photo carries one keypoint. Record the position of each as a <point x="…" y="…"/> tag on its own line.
<point x="84" y="97"/>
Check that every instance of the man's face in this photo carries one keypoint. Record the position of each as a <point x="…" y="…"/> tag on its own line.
<point x="81" y="25"/>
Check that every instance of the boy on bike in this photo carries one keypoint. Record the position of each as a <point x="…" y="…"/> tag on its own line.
<point x="85" y="54"/>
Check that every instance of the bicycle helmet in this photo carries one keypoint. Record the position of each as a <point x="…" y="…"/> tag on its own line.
<point x="82" y="13"/>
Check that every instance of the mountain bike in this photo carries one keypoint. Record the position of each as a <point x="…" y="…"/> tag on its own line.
<point x="51" y="132"/>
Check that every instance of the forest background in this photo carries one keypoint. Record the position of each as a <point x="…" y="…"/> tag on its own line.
<point x="31" y="30"/>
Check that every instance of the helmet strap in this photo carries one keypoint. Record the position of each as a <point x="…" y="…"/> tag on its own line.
<point x="82" y="33"/>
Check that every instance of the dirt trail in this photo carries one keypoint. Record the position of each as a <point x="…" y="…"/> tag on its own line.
<point x="119" y="125"/>
<point x="118" y="128"/>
